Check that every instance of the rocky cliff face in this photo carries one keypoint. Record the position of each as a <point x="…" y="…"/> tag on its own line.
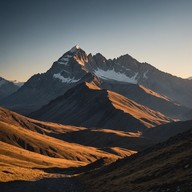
<point x="126" y="69"/>
<point x="42" y="88"/>
<point x="153" y="88"/>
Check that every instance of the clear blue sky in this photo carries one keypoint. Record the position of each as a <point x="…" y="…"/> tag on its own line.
<point x="35" y="33"/>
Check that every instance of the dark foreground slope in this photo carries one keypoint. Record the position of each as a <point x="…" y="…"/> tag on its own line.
<point x="163" y="132"/>
<point x="163" y="167"/>
<point x="85" y="106"/>
<point x="52" y="183"/>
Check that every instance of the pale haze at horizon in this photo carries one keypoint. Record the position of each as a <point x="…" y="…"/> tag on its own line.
<point x="34" y="35"/>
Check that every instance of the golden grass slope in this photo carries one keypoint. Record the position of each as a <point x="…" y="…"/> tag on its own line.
<point x="49" y="146"/>
<point x="147" y="116"/>
<point x="26" y="149"/>
<point x="13" y="118"/>
<point x="20" y="164"/>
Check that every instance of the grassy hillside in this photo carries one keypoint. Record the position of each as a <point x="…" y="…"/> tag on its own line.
<point x="20" y="164"/>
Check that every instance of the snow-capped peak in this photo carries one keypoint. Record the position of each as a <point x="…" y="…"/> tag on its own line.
<point x="75" y="48"/>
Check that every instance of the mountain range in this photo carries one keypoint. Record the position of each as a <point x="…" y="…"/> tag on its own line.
<point x="96" y="124"/>
<point x="18" y="83"/>
<point x="88" y="106"/>
<point x="7" y="88"/>
<point x="137" y="81"/>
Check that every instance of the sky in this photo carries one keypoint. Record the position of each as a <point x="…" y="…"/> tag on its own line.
<point x="35" y="33"/>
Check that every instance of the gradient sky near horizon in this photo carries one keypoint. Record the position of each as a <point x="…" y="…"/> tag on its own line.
<point x="34" y="34"/>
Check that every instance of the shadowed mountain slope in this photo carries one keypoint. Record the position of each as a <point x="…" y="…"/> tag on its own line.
<point x="187" y="115"/>
<point x="163" y="132"/>
<point x="146" y="97"/>
<point x="99" y="138"/>
<point x="65" y="73"/>
<point x="7" y="88"/>
<point x="86" y="106"/>
<point x="165" y="167"/>
<point x="106" y="138"/>
<point x="159" y="91"/>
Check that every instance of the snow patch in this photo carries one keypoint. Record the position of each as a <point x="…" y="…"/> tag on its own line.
<point x="64" y="60"/>
<point x="75" y="48"/>
<point x="117" y="76"/>
<point x="145" y="75"/>
<point x="62" y="63"/>
<point x="64" y="79"/>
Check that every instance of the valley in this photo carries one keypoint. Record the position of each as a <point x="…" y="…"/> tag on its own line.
<point x="96" y="124"/>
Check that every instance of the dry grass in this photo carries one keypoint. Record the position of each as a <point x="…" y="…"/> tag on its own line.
<point x="149" y="91"/>
<point x="13" y="118"/>
<point x="12" y="173"/>
<point x="25" y="149"/>
<point x="20" y="164"/>
<point x="92" y="85"/>
<point x="119" y="133"/>
<point x="120" y="151"/>
<point x="147" y="116"/>
<point x="49" y="146"/>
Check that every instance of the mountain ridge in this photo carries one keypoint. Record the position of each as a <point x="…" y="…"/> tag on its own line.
<point x="98" y="108"/>
<point x="7" y="88"/>
<point x="75" y="67"/>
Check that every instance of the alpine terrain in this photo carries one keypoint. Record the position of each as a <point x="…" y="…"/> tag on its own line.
<point x="7" y="88"/>
<point x="96" y="124"/>
<point x="140" y="82"/>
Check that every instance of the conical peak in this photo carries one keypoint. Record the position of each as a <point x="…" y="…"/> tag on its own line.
<point x="75" y="48"/>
